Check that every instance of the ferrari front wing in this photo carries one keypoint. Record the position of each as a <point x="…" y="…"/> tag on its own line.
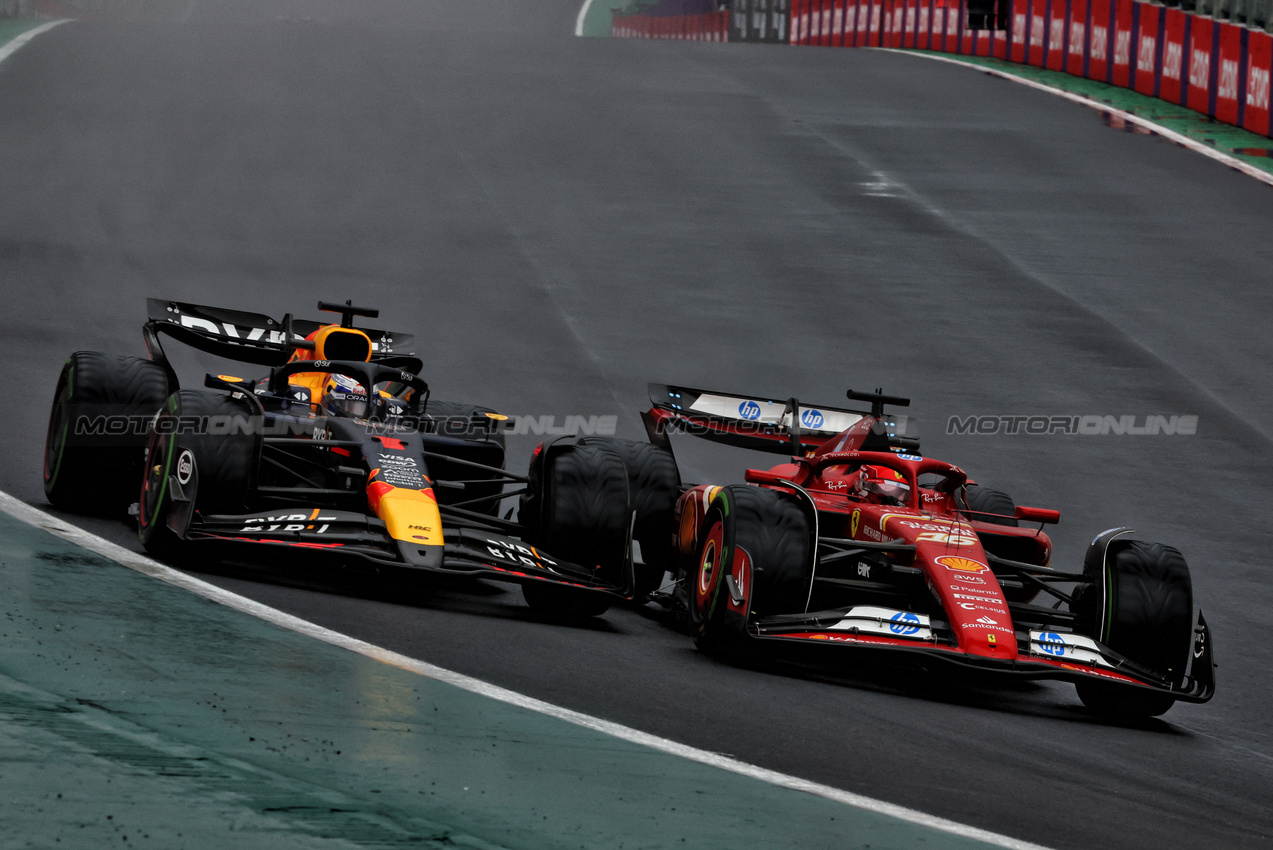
<point x="1040" y="654"/>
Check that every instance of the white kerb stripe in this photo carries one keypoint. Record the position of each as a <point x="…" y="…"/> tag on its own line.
<point x="9" y="48"/>
<point x="583" y="14"/>
<point x="142" y="564"/>
<point x="1184" y="141"/>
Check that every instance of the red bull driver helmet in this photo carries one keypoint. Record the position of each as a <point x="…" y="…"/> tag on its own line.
<point x="343" y="396"/>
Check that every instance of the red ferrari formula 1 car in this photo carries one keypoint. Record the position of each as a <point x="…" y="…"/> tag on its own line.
<point x="859" y="541"/>
<point x="338" y="453"/>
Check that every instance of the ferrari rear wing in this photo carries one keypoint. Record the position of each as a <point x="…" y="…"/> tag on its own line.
<point x="249" y="337"/>
<point x="755" y="422"/>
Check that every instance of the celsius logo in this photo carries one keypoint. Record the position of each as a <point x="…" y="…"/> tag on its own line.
<point x="812" y="419"/>
<point x="903" y="623"/>
<point x="1051" y="643"/>
<point x="749" y="410"/>
<point x="185" y="467"/>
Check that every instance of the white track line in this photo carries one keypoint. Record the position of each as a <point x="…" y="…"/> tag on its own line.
<point x="142" y="564"/>
<point x="1184" y="141"/>
<point x="10" y="47"/>
<point x="583" y="13"/>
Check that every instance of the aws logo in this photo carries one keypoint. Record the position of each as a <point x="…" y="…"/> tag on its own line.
<point x="962" y="565"/>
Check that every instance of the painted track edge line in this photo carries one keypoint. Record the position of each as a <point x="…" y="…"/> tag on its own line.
<point x="11" y="46"/>
<point x="583" y="16"/>
<point x="1180" y="139"/>
<point x="37" y="518"/>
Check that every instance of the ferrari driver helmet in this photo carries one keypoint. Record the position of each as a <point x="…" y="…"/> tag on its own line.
<point x="343" y="396"/>
<point x="883" y="483"/>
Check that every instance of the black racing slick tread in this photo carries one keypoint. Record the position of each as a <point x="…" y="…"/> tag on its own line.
<point x="653" y="486"/>
<point x="987" y="505"/>
<point x="100" y="472"/>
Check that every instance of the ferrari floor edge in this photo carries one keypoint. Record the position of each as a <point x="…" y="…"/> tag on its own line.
<point x="147" y="712"/>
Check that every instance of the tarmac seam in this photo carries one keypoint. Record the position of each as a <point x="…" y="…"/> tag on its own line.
<point x="30" y="515"/>
<point x="1131" y="118"/>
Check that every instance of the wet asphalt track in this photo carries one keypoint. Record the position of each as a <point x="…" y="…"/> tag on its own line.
<point x="560" y="220"/>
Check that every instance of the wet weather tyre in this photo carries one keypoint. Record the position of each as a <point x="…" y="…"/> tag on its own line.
<point x="653" y="486"/>
<point x="772" y="530"/>
<point x="579" y="514"/>
<point x="987" y="505"/>
<point x="223" y="455"/>
<point x="1148" y="617"/>
<point x="93" y="449"/>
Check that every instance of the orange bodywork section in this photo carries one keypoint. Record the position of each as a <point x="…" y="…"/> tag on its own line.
<point x="410" y="515"/>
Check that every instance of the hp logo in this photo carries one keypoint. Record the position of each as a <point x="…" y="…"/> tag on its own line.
<point x="749" y="410"/>
<point x="1051" y="643"/>
<point x="812" y="418"/>
<point x="903" y="623"/>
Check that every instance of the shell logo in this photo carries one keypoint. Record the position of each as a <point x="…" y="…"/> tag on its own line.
<point x="963" y="565"/>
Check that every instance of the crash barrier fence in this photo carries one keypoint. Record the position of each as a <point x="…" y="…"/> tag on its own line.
<point x="1217" y="68"/>
<point x="711" y="26"/>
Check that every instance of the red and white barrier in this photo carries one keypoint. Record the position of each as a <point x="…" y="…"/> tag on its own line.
<point x="1217" y="68"/>
<point x="1220" y="69"/>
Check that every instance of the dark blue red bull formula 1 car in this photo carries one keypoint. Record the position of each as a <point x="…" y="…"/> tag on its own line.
<point x="859" y="541"/>
<point x="338" y="454"/>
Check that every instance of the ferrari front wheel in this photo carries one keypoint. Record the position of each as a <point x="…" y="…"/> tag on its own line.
<point x="753" y="558"/>
<point x="1145" y="598"/>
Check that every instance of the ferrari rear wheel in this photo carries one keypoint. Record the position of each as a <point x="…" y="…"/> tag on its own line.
<point x="653" y="485"/>
<point x="96" y="432"/>
<point x="1148" y="617"/>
